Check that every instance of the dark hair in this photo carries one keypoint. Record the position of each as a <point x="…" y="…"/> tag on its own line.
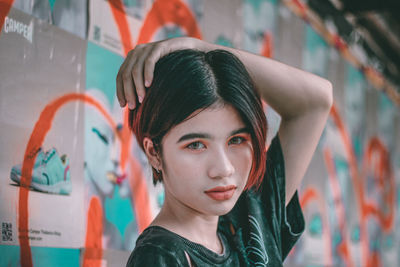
<point x="186" y="81"/>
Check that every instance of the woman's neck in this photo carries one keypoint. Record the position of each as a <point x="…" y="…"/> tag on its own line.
<point x="190" y="224"/>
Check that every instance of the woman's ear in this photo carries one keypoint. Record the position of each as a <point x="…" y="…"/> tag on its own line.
<point x="152" y="153"/>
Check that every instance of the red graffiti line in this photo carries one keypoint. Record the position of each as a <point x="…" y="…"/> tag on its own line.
<point x="93" y="245"/>
<point x="301" y="8"/>
<point x="343" y="247"/>
<point x="5" y="6"/>
<point x="376" y="156"/>
<point x="312" y="194"/>
<point x="41" y="128"/>
<point x="118" y="12"/>
<point x="377" y="161"/>
<point x="137" y="179"/>
<point x="140" y="194"/>
<point x="267" y="46"/>
<point x="165" y="12"/>
<point x="161" y="13"/>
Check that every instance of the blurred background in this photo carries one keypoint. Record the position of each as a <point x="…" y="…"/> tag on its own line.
<point x="90" y="193"/>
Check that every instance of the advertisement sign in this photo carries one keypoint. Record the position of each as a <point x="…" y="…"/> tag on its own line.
<point x="41" y="122"/>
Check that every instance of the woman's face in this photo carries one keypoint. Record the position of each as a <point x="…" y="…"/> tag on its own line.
<point x="206" y="161"/>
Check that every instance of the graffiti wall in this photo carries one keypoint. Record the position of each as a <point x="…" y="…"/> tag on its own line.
<point x="76" y="188"/>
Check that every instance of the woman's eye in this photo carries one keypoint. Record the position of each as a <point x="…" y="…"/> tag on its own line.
<point x="236" y="140"/>
<point x="196" y="145"/>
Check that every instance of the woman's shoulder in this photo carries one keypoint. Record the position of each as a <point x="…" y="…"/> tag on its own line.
<point x="156" y="247"/>
<point x="151" y="255"/>
<point x="159" y="238"/>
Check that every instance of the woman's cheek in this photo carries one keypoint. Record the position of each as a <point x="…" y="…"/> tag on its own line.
<point x="243" y="153"/>
<point x="186" y="164"/>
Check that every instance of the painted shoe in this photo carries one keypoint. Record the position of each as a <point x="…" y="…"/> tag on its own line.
<point x="50" y="174"/>
<point x="17" y="169"/>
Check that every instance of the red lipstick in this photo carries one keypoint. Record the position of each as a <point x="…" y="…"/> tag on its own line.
<point x="220" y="193"/>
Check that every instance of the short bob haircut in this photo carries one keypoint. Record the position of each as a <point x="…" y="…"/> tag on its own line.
<point x="188" y="81"/>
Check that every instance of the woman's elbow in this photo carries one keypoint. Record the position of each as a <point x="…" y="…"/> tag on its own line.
<point x="328" y="99"/>
<point x="324" y="101"/>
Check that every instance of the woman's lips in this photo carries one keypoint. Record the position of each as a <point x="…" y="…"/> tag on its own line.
<point x="220" y="193"/>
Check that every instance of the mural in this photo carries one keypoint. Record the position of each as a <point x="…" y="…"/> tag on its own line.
<point x="76" y="186"/>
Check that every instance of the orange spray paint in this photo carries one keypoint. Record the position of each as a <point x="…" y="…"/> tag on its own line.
<point x="343" y="247"/>
<point x="163" y="12"/>
<point x="117" y="9"/>
<point x="93" y="253"/>
<point x="5" y="6"/>
<point x="309" y="195"/>
<point x="40" y="130"/>
<point x="382" y="173"/>
<point x="267" y="46"/>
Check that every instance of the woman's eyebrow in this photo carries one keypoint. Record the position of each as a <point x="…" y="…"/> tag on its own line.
<point x="208" y="136"/>
<point x="241" y="130"/>
<point x="194" y="136"/>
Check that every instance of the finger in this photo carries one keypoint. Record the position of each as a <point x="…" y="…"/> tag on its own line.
<point x="129" y="88"/>
<point x="137" y="76"/>
<point x="120" y="90"/>
<point x="119" y="81"/>
<point x="129" y="91"/>
<point x="149" y="67"/>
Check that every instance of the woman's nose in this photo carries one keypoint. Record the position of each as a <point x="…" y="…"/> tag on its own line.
<point x="220" y="165"/>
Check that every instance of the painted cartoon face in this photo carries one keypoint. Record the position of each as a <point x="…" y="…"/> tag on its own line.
<point x="206" y="162"/>
<point x="101" y="149"/>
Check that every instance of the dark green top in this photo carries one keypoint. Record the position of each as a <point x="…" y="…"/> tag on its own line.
<point x="258" y="231"/>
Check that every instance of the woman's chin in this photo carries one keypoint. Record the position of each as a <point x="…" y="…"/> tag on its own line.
<point x="221" y="209"/>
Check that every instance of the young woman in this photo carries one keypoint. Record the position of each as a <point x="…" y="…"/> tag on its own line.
<point x="197" y="114"/>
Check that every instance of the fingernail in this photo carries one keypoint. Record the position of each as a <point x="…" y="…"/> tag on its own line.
<point x="147" y="83"/>
<point x="140" y="98"/>
<point x="130" y="106"/>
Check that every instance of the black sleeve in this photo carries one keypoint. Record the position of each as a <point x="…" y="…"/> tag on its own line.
<point x="152" y="256"/>
<point x="288" y="222"/>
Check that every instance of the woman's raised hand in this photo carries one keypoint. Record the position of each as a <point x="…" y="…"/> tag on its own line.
<point x="136" y="72"/>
